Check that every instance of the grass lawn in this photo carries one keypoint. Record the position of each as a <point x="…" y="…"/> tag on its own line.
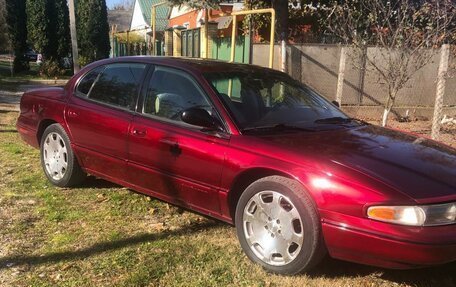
<point x="32" y="74"/>
<point x="5" y="71"/>
<point x="104" y="235"/>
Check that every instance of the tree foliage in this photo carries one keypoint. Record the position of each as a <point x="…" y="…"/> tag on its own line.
<point x="48" y="28"/>
<point x="17" y="27"/>
<point x="297" y="21"/>
<point x="93" y="30"/>
<point x="41" y="34"/>
<point x="62" y="28"/>
<point x="4" y="37"/>
<point x="407" y="33"/>
<point x="196" y="4"/>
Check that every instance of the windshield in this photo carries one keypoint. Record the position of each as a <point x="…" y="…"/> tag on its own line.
<point x="261" y="99"/>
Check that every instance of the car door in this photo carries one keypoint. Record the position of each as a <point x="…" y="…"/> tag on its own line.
<point x="99" y="114"/>
<point x="168" y="158"/>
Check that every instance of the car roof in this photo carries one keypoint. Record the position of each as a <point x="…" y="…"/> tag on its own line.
<point x="197" y="65"/>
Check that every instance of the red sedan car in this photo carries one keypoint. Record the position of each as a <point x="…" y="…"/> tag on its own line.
<point x="251" y="146"/>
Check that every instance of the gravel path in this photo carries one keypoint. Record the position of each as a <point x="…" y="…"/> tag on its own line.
<point x="9" y="100"/>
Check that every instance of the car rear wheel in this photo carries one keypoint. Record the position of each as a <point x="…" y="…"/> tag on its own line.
<point x="278" y="226"/>
<point x="57" y="158"/>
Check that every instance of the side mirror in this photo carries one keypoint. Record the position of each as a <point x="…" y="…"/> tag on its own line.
<point x="336" y="103"/>
<point x="200" y="117"/>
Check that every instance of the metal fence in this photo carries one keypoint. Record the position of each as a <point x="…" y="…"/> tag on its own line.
<point x="363" y="92"/>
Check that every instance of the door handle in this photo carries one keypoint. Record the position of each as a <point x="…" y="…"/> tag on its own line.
<point x="173" y="146"/>
<point x="72" y="114"/>
<point x="139" y="133"/>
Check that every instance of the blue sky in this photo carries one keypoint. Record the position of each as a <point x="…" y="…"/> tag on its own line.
<point x="111" y="3"/>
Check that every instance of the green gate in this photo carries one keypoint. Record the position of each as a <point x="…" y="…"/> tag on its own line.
<point x="221" y="49"/>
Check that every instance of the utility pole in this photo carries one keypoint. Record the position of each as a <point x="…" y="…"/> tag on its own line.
<point x="74" y="39"/>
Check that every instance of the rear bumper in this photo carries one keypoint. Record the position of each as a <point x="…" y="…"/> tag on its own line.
<point x="429" y="245"/>
<point x="28" y="135"/>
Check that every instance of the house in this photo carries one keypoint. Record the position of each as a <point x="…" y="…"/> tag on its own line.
<point x="185" y="33"/>
<point x="141" y="20"/>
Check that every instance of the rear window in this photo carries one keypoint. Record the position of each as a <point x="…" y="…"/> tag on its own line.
<point x="117" y="84"/>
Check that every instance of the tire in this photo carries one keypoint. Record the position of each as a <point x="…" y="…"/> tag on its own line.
<point x="57" y="158"/>
<point x="278" y="226"/>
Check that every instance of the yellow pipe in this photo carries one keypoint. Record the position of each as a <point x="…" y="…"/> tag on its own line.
<point x="233" y="38"/>
<point x="128" y="43"/>
<point x="259" y="11"/>
<point x="271" y="45"/>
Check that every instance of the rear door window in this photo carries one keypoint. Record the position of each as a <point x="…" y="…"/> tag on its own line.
<point x="118" y="85"/>
<point x="86" y="83"/>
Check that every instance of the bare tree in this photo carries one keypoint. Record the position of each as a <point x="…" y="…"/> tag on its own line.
<point x="407" y="33"/>
<point x="123" y="5"/>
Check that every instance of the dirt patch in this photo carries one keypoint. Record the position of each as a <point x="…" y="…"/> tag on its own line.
<point x="423" y="128"/>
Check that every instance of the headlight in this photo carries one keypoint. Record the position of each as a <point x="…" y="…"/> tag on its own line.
<point x="420" y="215"/>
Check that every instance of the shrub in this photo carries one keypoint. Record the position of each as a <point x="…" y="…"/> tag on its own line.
<point x="51" y="69"/>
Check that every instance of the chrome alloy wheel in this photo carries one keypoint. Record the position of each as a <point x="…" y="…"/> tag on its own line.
<point x="273" y="228"/>
<point x="55" y="156"/>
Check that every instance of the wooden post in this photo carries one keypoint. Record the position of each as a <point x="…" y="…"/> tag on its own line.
<point x="440" y="91"/>
<point x="113" y="31"/>
<point x="341" y="75"/>
<point x="206" y="30"/>
<point x="128" y="43"/>
<point x="153" y="26"/>
<point x="74" y="39"/>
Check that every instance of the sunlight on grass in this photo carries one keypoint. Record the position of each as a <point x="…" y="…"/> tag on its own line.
<point x="12" y="148"/>
<point x="62" y="240"/>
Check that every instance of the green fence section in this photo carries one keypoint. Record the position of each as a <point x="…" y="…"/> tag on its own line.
<point x="229" y="87"/>
<point x="190" y="43"/>
<point x="133" y="49"/>
<point x="222" y="49"/>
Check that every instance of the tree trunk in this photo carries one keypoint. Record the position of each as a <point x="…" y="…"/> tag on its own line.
<point x="387" y="110"/>
<point x="440" y="91"/>
<point x="281" y="8"/>
<point x="385" y="117"/>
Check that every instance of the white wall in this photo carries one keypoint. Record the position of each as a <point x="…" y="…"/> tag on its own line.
<point x="137" y="21"/>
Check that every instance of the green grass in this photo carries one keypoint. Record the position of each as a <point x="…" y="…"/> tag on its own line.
<point x="31" y="74"/>
<point x="5" y="71"/>
<point x="104" y="235"/>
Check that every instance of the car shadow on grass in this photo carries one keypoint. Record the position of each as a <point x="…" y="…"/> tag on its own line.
<point x="56" y="257"/>
<point x="8" y="131"/>
<point x="95" y="182"/>
<point x="442" y="275"/>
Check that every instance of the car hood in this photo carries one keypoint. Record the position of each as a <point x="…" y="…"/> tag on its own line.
<point x="419" y="167"/>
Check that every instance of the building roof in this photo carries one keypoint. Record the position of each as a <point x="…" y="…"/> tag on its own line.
<point x="162" y="13"/>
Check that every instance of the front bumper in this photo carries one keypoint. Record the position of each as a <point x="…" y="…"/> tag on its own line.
<point x="386" y="245"/>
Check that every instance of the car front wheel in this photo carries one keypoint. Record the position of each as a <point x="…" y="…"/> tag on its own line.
<point x="278" y="226"/>
<point x="57" y="158"/>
